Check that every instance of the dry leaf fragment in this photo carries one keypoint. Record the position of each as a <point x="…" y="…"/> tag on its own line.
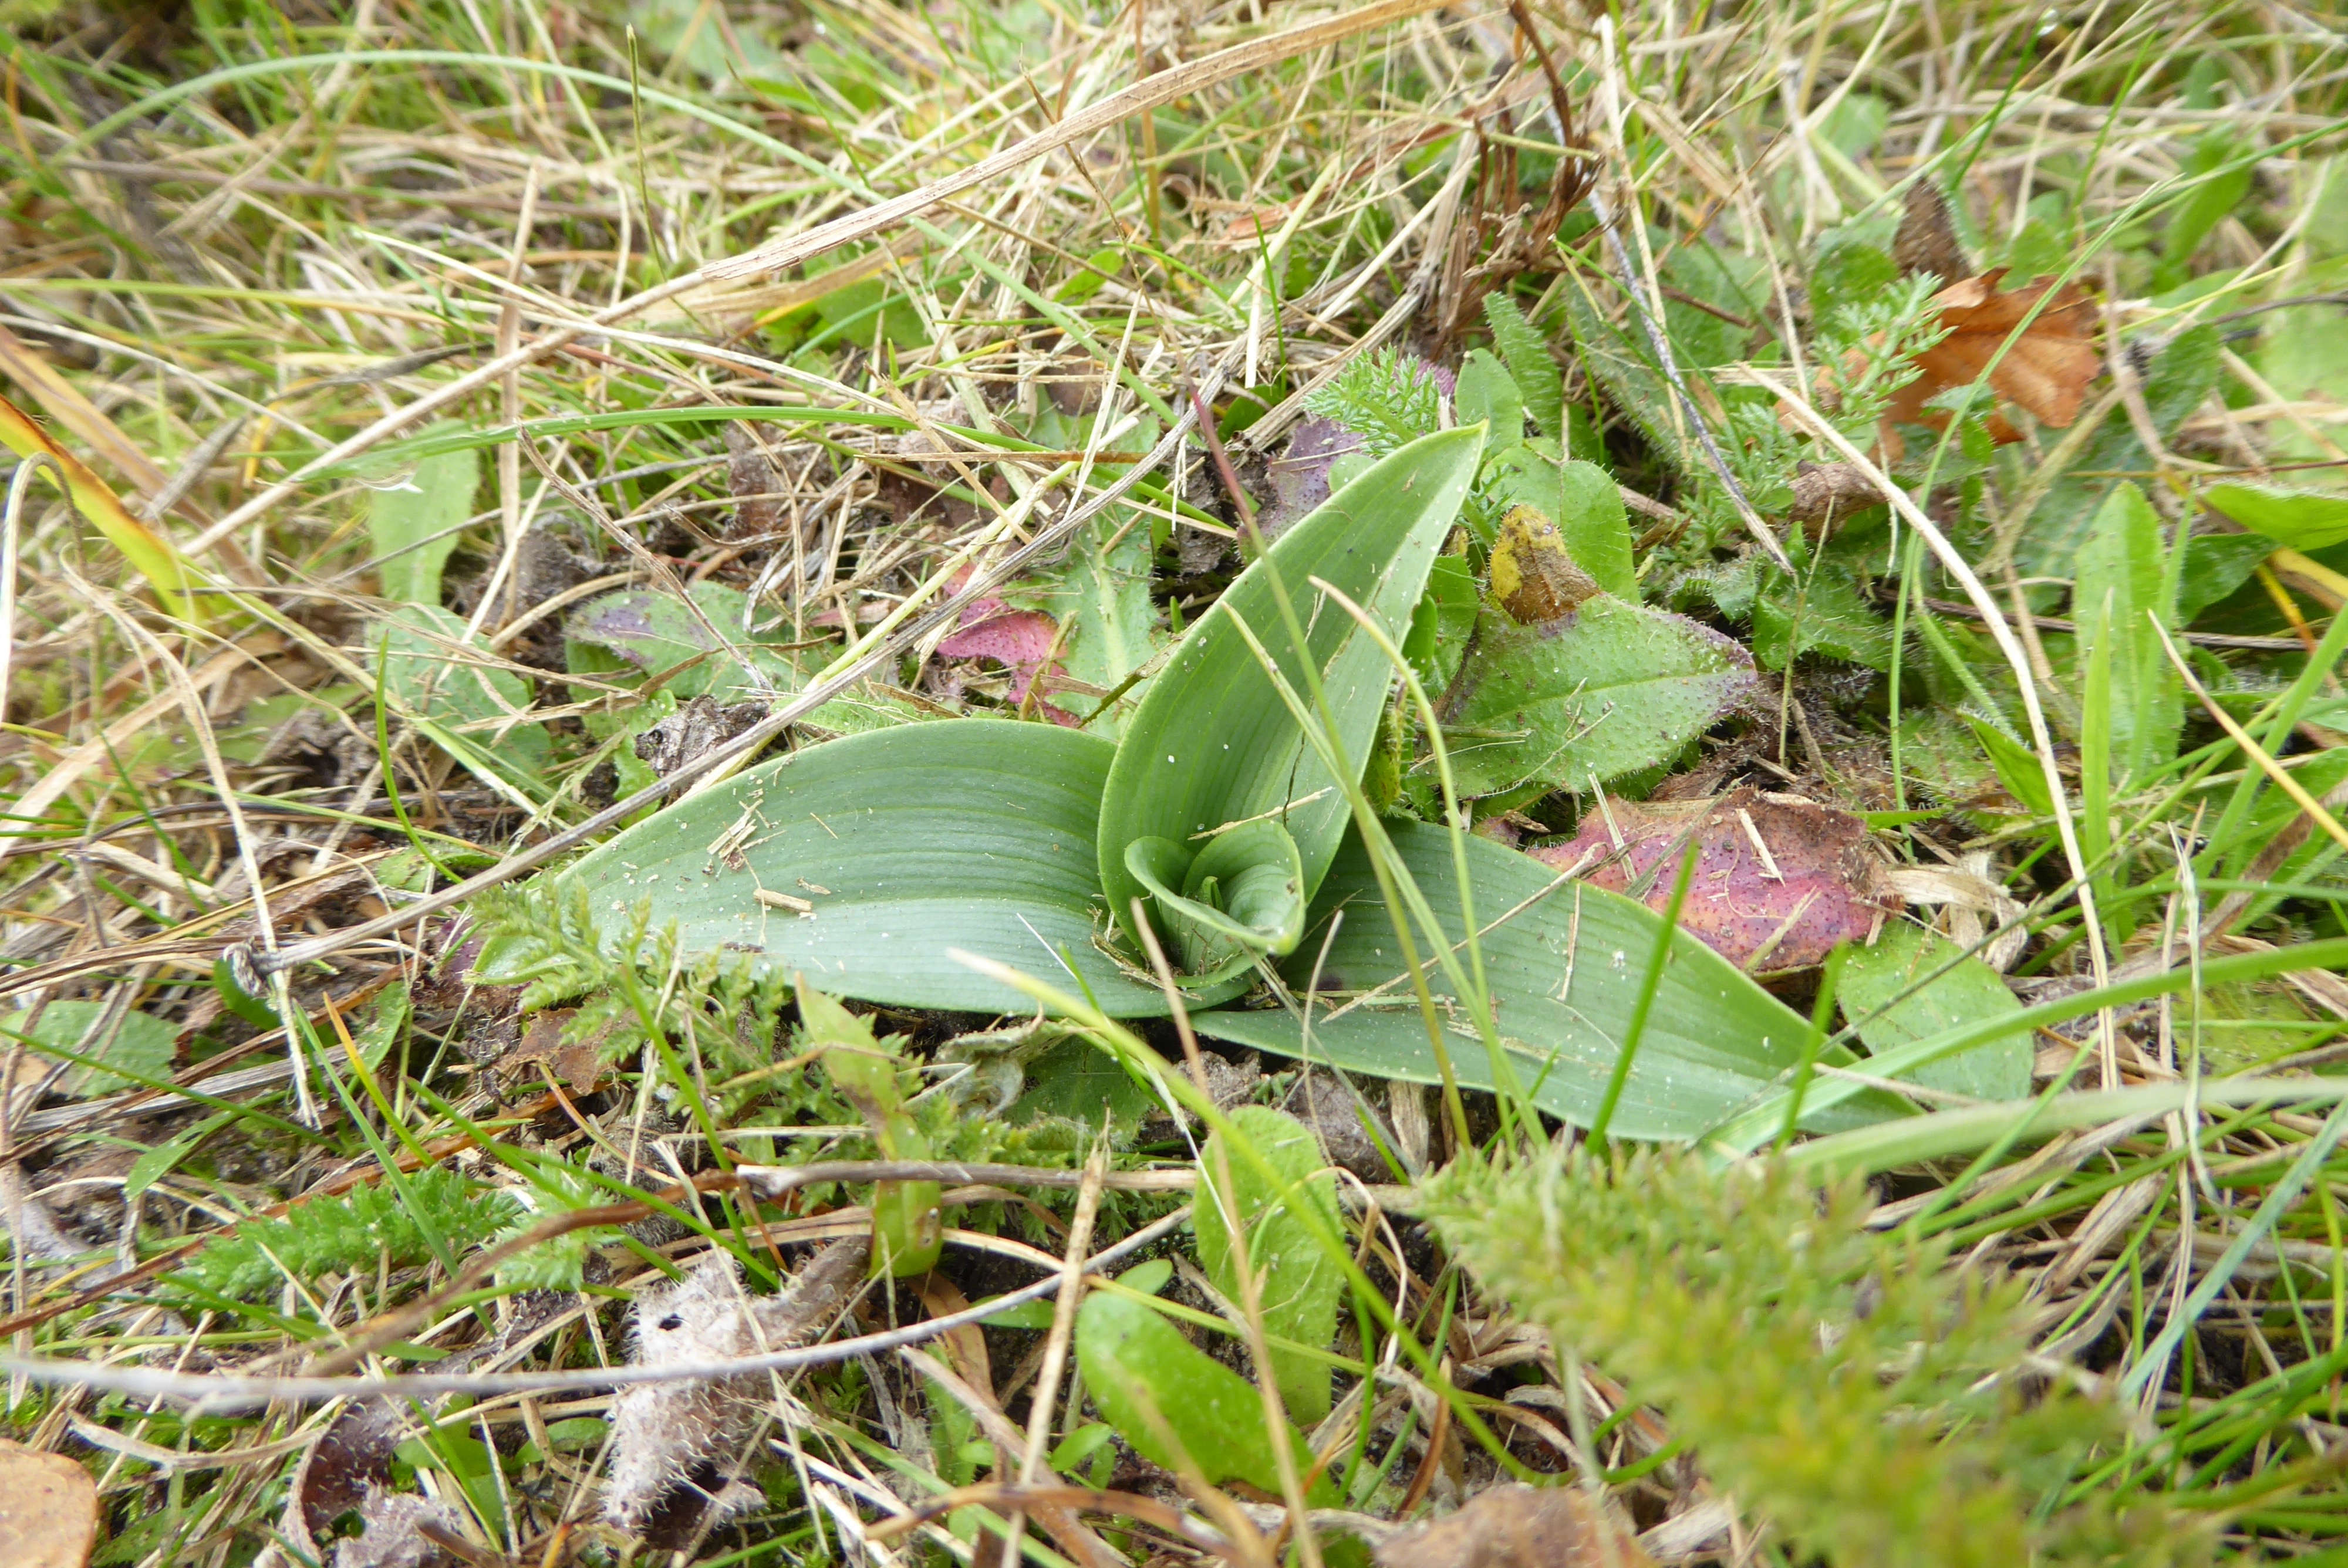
<point x="391" y="1533"/>
<point x="2045" y="370"/>
<point x="668" y="1436"/>
<point x="1533" y="577"/>
<point x="750" y="477"/>
<point x="48" y="1510"/>
<point x="1518" y="1527"/>
<point x="1927" y="240"/>
<point x="1825" y="491"/>
<point x="342" y="1470"/>
<point x="693" y="731"/>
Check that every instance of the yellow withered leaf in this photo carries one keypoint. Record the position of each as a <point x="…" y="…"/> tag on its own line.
<point x="1533" y="577"/>
<point x="144" y="549"/>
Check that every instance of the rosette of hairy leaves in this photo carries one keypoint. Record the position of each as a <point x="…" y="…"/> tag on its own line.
<point x="1219" y="810"/>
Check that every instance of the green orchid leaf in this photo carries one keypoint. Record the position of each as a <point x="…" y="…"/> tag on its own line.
<point x="1565" y="963"/>
<point x="1615" y="687"/>
<point x="1241" y="895"/>
<point x="1213" y="754"/>
<point x="902" y="844"/>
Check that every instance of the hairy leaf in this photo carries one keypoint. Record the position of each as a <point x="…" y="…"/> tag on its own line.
<point x="1617" y="689"/>
<point x="1582" y="500"/>
<point x="356" y="1231"/>
<point x="1488" y="393"/>
<point x="706" y="647"/>
<point x="1532" y="369"/>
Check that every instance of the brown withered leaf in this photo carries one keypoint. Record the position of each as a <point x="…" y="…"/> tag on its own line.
<point x="48" y="1510"/>
<point x="1778" y="880"/>
<point x="673" y="1444"/>
<point x="750" y="477"/>
<point x="341" y="1468"/>
<point x="1518" y="1527"/>
<point x="2045" y="370"/>
<point x="693" y="731"/>
<point x="1927" y="240"/>
<point x="400" y="1530"/>
<point x="1824" y="491"/>
<point x="1533" y="577"/>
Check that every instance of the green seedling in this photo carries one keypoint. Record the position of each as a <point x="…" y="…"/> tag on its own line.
<point x="1251" y="1225"/>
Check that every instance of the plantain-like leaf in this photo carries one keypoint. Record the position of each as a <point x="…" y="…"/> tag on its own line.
<point x="904" y="843"/>
<point x="1218" y="811"/>
<point x="1177" y="1405"/>
<point x="1257" y="1219"/>
<point x="1564" y="964"/>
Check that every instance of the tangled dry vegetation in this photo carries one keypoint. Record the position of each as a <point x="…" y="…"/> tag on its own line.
<point x="1853" y="498"/>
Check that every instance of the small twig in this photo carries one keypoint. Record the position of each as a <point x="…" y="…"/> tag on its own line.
<point x="1046" y="1397"/>
<point x="222" y="1390"/>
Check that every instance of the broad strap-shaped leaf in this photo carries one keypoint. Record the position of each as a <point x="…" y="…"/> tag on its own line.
<point x="902" y="844"/>
<point x="1564" y="971"/>
<point x="1213" y="753"/>
<point x="1614" y="688"/>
